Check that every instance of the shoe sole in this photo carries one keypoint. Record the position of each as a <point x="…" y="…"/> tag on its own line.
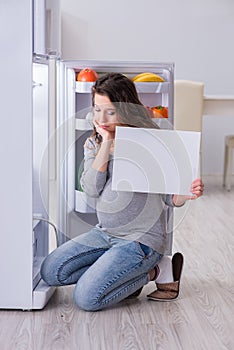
<point x="157" y="299"/>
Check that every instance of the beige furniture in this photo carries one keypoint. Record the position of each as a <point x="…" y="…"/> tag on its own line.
<point x="188" y="106"/>
<point x="228" y="158"/>
<point x="218" y="105"/>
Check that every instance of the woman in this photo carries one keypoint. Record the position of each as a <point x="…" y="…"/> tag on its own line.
<point x="115" y="259"/>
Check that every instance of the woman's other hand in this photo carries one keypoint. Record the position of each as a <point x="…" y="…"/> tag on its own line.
<point x="196" y="189"/>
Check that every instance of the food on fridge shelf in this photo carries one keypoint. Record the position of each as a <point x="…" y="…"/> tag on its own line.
<point x="87" y="74"/>
<point x="147" y="77"/>
<point x="159" y="112"/>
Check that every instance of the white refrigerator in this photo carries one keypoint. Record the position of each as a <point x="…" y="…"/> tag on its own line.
<point x="27" y="89"/>
<point x="44" y="119"/>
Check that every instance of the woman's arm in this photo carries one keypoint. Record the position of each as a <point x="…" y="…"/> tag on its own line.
<point x="92" y="181"/>
<point x="96" y="160"/>
<point x="100" y="162"/>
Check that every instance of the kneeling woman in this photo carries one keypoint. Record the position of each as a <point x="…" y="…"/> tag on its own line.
<point x="125" y="250"/>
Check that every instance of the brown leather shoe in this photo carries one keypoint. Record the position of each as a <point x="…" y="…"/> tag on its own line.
<point x="169" y="291"/>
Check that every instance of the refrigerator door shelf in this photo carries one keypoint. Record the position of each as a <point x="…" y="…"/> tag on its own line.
<point x="84" y="87"/>
<point x="152" y="87"/>
<point x="84" y="203"/>
<point x="144" y="87"/>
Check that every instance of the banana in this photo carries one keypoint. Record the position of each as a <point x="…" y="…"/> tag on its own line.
<point x="147" y="77"/>
<point x="140" y="75"/>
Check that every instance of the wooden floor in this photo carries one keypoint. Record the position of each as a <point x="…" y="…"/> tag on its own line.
<point x="201" y="319"/>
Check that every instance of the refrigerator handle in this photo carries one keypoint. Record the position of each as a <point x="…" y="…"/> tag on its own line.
<point x="35" y="84"/>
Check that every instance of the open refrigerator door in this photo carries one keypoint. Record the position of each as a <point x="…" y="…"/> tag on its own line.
<point x="43" y="171"/>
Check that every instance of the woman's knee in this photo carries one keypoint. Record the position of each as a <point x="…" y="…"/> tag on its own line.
<point x="49" y="270"/>
<point x="57" y="268"/>
<point x="86" y="299"/>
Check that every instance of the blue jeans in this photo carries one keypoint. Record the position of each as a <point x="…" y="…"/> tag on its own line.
<point x="105" y="269"/>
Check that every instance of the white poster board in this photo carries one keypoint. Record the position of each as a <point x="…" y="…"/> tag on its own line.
<point x="155" y="160"/>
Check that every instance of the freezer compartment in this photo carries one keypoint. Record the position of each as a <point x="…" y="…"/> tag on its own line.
<point x="46" y="26"/>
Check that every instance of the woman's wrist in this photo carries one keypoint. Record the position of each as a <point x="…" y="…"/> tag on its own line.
<point x="179" y="200"/>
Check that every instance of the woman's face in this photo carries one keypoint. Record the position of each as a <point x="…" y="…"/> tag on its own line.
<point x="105" y="114"/>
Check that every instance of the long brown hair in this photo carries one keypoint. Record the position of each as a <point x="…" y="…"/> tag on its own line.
<point x="122" y="93"/>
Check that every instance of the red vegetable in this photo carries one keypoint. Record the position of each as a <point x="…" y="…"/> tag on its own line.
<point x="87" y="74"/>
<point x="160" y="112"/>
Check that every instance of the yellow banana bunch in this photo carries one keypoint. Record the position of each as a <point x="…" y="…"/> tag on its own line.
<point x="147" y="77"/>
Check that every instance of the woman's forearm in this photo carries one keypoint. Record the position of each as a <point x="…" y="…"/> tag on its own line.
<point x="179" y="200"/>
<point x="100" y="162"/>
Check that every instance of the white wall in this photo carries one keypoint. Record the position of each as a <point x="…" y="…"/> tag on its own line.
<point x="195" y="35"/>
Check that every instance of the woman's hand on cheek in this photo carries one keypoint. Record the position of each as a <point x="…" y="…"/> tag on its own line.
<point x="105" y="133"/>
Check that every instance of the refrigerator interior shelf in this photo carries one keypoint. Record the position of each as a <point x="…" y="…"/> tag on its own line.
<point x="84" y="203"/>
<point x="144" y="87"/>
<point x="83" y="124"/>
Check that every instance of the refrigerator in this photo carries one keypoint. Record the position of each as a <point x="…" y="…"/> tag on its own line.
<point x="28" y="102"/>
<point x="46" y="118"/>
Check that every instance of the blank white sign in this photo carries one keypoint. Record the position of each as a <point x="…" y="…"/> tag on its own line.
<point x="155" y="160"/>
